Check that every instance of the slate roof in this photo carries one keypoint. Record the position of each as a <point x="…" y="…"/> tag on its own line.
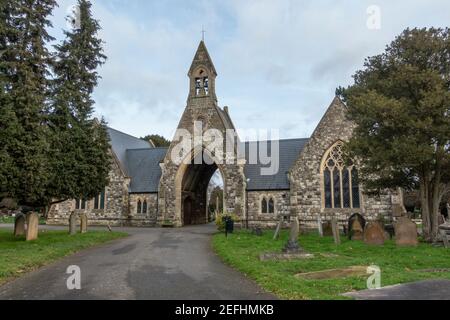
<point x="120" y="142"/>
<point x="144" y="169"/>
<point x="140" y="161"/>
<point x="289" y="150"/>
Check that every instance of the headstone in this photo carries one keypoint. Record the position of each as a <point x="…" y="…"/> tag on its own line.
<point x="319" y="225"/>
<point x="405" y="232"/>
<point x="335" y="229"/>
<point x="374" y="234"/>
<point x="292" y="244"/>
<point x="397" y="210"/>
<point x="356" y="224"/>
<point x="19" y="226"/>
<point x="327" y="229"/>
<point x="73" y="223"/>
<point x="441" y="219"/>
<point x="257" y="231"/>
<point x="83" y="222"/>
<point x="278" y="229"/>
<point x="32" y="226"/>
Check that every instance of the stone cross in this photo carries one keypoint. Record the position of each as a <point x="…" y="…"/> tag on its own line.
<point x="32" y="226"/>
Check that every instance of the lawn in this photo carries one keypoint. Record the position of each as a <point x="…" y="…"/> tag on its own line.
<point x="10" y="220"/>
<point x="18" y="256"/>
<point x="398" y="265"/>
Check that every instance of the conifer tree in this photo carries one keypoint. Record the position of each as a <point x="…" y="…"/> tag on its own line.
<point x="80" y="158"/>
<point x="24" y="63"/>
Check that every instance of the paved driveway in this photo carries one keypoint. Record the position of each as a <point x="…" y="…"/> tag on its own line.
<point x="150" y="264"/>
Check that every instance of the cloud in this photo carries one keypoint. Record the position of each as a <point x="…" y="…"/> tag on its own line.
<point x="279" y="61"/>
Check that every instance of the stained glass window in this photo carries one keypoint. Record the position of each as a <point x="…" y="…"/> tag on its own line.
<point x="340" y="180"/>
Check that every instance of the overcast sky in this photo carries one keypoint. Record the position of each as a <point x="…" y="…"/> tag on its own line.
<point x="278" y="62"/>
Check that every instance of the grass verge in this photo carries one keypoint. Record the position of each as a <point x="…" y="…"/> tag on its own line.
<point x="18" y="256"/>
<point x="398" y="265"/>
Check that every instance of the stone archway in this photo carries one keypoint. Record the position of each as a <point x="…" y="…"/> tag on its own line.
<point x="191" y="188"/>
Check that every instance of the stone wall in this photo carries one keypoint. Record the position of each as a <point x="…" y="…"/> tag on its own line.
<point x="143" y="219"/>
<point x="307" y="183"/>
<point x="117" y="204"/>
<point x="267" y="220"/>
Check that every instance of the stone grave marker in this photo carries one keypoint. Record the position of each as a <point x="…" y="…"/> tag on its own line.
<point x="374" y="234"/>
<point x="32" y="226"/>
<point x="335" y="230"/>
<point x="73" y="223"/>
<point x="405" y="232"/>
<point x="327" y="229"/>
<point x="356" y="224"/>
<point x="19" y="225"/>
<point x="83" y="222"/>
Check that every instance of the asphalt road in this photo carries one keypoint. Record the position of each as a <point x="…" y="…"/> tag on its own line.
<point x="173" y="264"/>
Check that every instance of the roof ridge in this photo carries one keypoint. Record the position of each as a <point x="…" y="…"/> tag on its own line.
<point x="127" y="134"/>
<point x="150" y="148"/>
<point x="289" y="139"/>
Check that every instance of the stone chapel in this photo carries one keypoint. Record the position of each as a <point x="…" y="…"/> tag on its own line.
<point x="148" y="188"/>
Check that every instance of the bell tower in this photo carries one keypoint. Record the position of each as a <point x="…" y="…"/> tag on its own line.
<point x="202" y="76"/>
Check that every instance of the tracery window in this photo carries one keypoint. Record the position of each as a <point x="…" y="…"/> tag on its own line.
<point x="340" y="180"/>
<point x="99" y="201"/>
<point x="267" y="206"/>
<point x="139" y="206"/>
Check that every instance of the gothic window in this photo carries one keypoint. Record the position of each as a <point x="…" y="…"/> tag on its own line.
<point x="139" y="206"/>
<point x="144" y="207"/>
<point x="264" y="205"/>
<point x="271" y="206"/>
<point x="340" y="181"/>
<point x="80" y="204"/>
<point x="99" y="201"/>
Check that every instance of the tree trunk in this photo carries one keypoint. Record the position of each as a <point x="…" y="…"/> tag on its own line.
<point x="424" y="200"/>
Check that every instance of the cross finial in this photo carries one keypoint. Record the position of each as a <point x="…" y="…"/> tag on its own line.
<point x="203" y="33"/>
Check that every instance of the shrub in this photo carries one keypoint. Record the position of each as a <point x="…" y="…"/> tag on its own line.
<point x="221" y="224"/>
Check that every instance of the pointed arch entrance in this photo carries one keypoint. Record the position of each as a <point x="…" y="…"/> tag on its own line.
<point x="192" y="187"/>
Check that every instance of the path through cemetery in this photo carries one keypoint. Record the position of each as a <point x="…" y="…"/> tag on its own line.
<point x="150" y="264"/>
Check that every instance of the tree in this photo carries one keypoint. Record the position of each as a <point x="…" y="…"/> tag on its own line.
<point x="80" y="158"/>
<point x="400" y="104"/>
<point x="158" y="141"/>
<point x="24" y="64"/>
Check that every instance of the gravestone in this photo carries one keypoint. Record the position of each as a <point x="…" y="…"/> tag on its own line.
<point x="292" y="244"/>
<point x="83" y="223"/>
<point x="374" y="234"/>
<point x="32" y="226"/>
<point x="73" y="223"/>
<point x="327" y="229"/>
<point x="356" y="224"/>
<point x="19" y="225"/>
<point x="257" y="231"/>
<point x="319" y="225"/>
<point x="405" y="232"/>
<point x="335" y="229"/>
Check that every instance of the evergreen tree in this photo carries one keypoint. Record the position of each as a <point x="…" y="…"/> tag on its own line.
<point x="158" y="141"/>
<point x="400" y="103"/>
<point x="80" y="158"/>
<point x="24" y="83"/>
